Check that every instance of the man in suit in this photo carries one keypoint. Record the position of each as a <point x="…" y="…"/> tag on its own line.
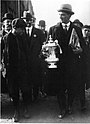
<point x="7" y="22"/>
<point x="17" y="61"/>
<point x="7" y="26"/>
<point x="70" y="58"/>
<point x="86" y="56"/>
<point x="36" y="39"/>
<point x="42" y="26"/>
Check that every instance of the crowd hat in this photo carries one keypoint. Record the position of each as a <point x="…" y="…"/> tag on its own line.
<point x="18" y="23"/>
<point x="27" y="15"/>
<point x="76" y="21"/>
<point x="66" y="8"/>
<point x="42" y="23"/>
<point x="7" y="16"/>
<point x="86" y="26"/>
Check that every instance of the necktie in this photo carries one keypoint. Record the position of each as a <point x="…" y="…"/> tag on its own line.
<point x="28" y="31"/>
<point x="65" y="28"/>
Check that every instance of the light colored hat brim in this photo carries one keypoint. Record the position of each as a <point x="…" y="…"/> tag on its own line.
<point x="41" y="25"/>
<point x="65" y="10"/>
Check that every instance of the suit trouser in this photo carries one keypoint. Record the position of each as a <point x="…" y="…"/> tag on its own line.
<point x="15" y="84"/>
<point x="74" y="91"/>
<point x="56" y="87"/>
<point x="4" y="88"/>
<point x="61" y="95"/>
<point x="36" y="79"/>
<point x="75" y="85"/>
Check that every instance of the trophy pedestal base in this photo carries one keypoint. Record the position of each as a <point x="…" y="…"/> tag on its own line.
<point x="51" y="62"/>
<point x="52" y="65"/>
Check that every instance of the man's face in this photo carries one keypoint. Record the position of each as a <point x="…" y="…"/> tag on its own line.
<point x="7" y="25"/>
<point x="42" y="28"/>
<point x="86" y="32"/>
<point x="28" y="22"/>
<point x="64" y="17"/>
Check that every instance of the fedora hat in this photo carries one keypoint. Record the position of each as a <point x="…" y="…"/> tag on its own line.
<point x="42" y="23"/>
<point x="66" y="8"/>
<point x="18" y="23"/>
<point x="7" y="16"/>
<point x="27" y="15"/>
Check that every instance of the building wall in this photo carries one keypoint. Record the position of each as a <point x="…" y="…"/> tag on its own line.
<point x="16" y="7"/>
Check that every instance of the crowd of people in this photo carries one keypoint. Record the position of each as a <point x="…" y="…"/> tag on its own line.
<point x="25" y="71"/>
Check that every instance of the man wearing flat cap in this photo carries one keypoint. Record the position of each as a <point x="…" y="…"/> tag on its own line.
<point x="70" y="40"/>
<point x="36" y="39"/>
<point x="17" y="48"/>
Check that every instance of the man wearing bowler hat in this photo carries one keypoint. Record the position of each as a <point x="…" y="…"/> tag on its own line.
<point x="7" y="26"/>
<point x="66" y="33"/>
<point x="36" y="39"/>
<point x="7" y="22"/>
<point x="42" y="26"/>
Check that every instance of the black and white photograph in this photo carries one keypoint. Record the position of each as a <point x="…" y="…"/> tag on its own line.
<point x="45" y="61"/>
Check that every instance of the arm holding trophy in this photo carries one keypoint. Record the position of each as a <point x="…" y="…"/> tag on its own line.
<point x="51" y="51"/>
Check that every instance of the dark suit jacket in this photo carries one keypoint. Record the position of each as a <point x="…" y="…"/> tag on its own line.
<point x="35" y="44"/>
<point x="63" y="39"/>
<point x="51" y="30"/>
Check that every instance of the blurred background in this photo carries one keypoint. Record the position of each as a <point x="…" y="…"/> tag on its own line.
<point x="47" y="9"/>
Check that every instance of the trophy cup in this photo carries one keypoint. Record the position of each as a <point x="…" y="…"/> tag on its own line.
<point x="51" y="51"/>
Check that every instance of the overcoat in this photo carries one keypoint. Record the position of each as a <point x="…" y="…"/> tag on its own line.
<point x="11" y="59"/>
<point x="16" y="60"/>
<point x="70" y="62"/>
<point x="11" y="53"/>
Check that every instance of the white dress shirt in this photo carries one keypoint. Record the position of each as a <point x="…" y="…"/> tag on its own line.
<point x="29" y="29"/>
<point x="66" y="25"/>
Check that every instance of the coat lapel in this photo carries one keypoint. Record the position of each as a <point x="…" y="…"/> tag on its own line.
<point x="33" y="37"/>
<point x="30" y="38"/>
<point x="61" y="36"/>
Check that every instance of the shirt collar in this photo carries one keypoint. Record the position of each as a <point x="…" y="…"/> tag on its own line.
<point x="68" y="24"/>
<point x="30" y="29"/>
